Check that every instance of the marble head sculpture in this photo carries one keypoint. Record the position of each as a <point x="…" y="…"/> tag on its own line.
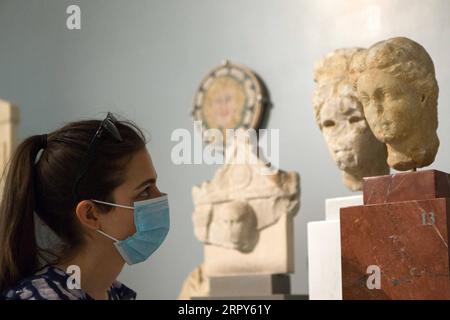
<point x="341" y="119"/>
<point x="233" y="208"/>
<point x="396" y="84"/>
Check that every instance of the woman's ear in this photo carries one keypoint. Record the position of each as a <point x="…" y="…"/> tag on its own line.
<point x="87" y="215"/>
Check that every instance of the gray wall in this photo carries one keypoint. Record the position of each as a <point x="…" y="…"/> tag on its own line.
<point x="144" y="59"/>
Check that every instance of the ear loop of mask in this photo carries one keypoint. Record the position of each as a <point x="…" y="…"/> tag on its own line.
<point x="107" y="235"/>
<point x="114" y="205"/>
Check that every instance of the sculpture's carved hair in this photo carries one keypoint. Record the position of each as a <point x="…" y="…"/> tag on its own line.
<point x="331" y="75"/>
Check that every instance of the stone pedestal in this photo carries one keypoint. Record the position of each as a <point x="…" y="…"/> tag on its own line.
<point x="249" y="285"/>
<point x="324" y="251"/>
<point x="395" y="246"/>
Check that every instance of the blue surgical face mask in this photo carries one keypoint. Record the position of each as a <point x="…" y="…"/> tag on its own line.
<point x="152" y="221"/>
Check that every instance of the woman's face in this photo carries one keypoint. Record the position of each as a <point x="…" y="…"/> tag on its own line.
<point x="139" y="185"/>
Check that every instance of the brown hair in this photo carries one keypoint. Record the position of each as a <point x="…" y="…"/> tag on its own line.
<point x="45" y="186"/>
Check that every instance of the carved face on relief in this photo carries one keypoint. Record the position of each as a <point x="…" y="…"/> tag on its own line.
<point x="234" y="226"/>
<point x="392" y="107"/>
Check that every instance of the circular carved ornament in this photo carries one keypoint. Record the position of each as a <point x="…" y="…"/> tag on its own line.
<point x="230" y="97"/>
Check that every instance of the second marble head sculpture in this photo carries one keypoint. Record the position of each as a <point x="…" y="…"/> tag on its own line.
<point x="340" y="117"/>
<point x="396" y="84"/>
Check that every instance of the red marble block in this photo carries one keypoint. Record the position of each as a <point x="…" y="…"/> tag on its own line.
<point x="406" y="239"/>
<point x="419" y="185"/>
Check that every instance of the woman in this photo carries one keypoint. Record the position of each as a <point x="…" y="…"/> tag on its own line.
<point x="94" y="186"/>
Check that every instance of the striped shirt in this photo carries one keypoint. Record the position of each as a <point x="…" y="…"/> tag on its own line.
<point x="50" y="283"/>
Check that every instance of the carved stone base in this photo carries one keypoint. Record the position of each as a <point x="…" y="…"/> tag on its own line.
<point x="274" y="253"/>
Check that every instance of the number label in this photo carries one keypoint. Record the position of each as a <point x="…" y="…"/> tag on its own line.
<point x="428" y="218"/>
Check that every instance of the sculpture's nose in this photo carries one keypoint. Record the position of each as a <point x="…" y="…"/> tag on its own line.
<point x="379" y="107"/>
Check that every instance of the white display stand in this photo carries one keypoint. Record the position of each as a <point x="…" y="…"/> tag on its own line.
<point x="324" y="251"/>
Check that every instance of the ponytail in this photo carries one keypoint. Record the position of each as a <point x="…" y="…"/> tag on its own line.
<point x="18" y="248"/>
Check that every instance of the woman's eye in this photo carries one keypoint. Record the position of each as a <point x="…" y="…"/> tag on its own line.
<point x="328" y="123"/>
<point x="146" y="193"/>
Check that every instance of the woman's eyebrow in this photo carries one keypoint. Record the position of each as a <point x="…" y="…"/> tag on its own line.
<point x="146" y="182"/>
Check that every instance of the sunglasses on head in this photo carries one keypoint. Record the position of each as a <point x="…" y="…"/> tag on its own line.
<point x="107" y="125"/>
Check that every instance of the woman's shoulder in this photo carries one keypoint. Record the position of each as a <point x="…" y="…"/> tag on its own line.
<point x="49" y="283"/>
<point x="119" y="291"/>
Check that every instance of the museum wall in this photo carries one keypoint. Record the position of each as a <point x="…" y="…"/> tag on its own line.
<point x="144" y="60"/>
